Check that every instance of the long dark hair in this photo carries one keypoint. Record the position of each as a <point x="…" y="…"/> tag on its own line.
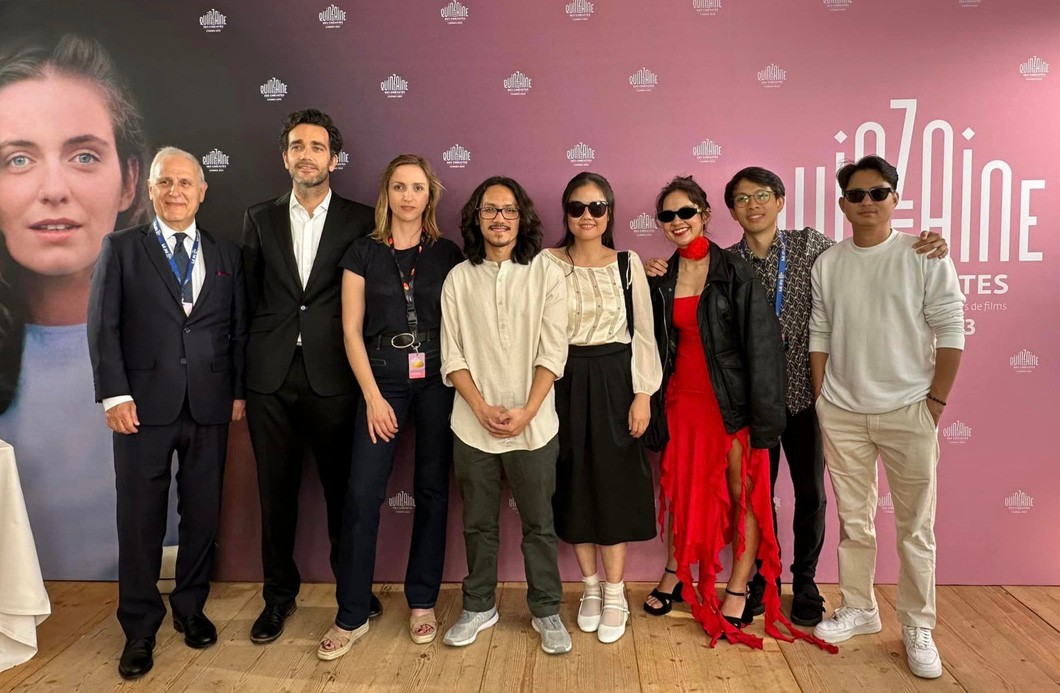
<point x="590" y="178"/>
<point x="527" y="242"/>
<point x="87" y="59"/>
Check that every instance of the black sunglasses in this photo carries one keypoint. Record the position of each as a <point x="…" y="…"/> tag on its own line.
<point x="596" y="209"/>
<point x="667" y="215"/>
<point x="879" y="194"/>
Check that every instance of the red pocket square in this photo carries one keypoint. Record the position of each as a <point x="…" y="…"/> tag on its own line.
<point x="222" y="273"/>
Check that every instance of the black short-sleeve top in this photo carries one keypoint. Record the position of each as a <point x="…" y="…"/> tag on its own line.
<point x="384" y="299"/>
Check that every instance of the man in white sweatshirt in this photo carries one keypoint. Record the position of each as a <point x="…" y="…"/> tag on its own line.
<point x="886" y="336"/>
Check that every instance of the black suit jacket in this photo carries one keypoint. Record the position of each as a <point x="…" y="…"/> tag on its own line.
<point x="281" y="308"/>
<point x="141" y="342"/>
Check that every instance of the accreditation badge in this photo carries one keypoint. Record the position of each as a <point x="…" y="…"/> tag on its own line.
<point x="417" y="366"/>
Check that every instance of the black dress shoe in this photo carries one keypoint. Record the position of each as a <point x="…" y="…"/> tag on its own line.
<point x="375" y="608"/>
<point x="136" y="658"/>
<point x="270" y="623"/>
<point x="198" y="631"/>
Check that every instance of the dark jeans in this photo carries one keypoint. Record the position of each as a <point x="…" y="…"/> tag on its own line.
<point x="430" y="403"/>
<point x="283" y="424"/>
<point x="802" y="445"/>
<point x="531" y="475"/>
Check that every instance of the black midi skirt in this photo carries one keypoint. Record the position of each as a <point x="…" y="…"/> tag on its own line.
<point x="604" y="492"/>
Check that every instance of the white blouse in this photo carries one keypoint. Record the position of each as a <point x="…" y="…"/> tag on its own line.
<point x="596" y="314"/>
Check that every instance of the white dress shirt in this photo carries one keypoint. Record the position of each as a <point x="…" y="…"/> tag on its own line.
<point x="198" y="276"/>
<point x="305" y="236"/>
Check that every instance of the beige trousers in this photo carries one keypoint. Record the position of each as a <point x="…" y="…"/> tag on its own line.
<point x="907" y="441"/>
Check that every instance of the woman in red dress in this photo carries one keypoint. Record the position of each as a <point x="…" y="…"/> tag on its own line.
<point x="723" y="379"/>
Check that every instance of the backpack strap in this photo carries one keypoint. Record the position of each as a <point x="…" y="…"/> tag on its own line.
<point x="627" y="287"/>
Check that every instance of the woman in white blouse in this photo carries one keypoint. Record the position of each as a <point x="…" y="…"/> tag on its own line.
<point x="604" y="494"/>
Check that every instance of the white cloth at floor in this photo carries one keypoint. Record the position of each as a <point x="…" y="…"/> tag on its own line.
<point x="24" y="602"/>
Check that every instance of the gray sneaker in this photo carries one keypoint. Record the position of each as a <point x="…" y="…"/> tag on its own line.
<point x="471" y="623"/>
<point x="554" y="636"/>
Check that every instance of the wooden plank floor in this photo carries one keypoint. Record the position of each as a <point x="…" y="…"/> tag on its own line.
<point x="991" y="639"/>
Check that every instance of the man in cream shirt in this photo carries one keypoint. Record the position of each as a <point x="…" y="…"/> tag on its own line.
<point x="504" y="343"/>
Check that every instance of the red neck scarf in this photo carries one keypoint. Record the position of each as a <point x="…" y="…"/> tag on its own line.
<point x="696" y="250"/>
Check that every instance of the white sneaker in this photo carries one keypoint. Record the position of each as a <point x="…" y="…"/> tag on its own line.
<point x="921" y="653"/>
<point x="847" y="622"/>
<point x="554" y="636"/>
<point x="470" y="624"/>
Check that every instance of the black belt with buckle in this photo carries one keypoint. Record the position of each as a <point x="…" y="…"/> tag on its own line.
<point x="404" y="340"/>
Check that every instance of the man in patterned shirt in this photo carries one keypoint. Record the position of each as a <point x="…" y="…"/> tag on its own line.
<point x="755" y="197"/>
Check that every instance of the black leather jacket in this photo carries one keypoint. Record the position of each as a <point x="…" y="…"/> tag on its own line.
<point x="741" y="340"/>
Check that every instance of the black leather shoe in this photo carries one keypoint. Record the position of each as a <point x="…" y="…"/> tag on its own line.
<point x="270" y="623"/>
<point x="198" y="631"/>
<point x="375" y="608"/>
<point x="136" y="658"/>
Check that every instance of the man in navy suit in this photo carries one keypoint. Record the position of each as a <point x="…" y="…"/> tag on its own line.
<point x="167" y="328"/>
<point x="301" y="391"/>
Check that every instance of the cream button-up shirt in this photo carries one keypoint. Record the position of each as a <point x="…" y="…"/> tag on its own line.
<point x="500" y="321"/>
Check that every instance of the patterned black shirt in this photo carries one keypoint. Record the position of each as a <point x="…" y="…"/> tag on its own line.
<point x="803" y="247"/>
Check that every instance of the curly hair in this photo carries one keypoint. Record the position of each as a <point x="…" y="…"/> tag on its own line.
<point x="528" y="240"/>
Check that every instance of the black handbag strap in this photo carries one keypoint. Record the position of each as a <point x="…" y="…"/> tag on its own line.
<point x="627" y="287"/>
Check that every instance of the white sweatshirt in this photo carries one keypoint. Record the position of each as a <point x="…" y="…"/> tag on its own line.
<point x="880" y="313"/>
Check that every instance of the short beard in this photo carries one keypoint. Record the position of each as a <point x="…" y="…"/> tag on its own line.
<point x="312" y="182"/>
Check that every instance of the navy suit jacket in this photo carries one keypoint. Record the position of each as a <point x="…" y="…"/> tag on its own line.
<point x="141" y="342"/>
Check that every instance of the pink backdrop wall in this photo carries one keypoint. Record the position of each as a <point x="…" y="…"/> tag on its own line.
<point x="961" y="94"/>
<point x="958" y="93"/>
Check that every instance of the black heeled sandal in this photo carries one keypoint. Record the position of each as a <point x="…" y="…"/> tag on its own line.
<point x="665" y="598"/>
<point x="739" y="622"/>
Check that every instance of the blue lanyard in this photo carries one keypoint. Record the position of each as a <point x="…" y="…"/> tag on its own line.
<point x="781" y="270"/>
<point x="181" y="281"/>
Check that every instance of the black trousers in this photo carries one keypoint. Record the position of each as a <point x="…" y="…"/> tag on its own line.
<point x="427" y="402"/>
<point x="283" y="426"/>
<point x="803" y="450"/>
<point x="142" y="471"/>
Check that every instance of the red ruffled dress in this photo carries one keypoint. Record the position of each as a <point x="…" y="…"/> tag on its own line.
<point x="695" y="489"/>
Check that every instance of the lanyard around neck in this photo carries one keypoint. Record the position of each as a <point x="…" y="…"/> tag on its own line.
<point x="182" y="280"/>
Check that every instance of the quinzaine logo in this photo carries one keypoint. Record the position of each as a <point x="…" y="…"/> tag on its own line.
<point x="886" y="503"/>
<point x="454" y="13"/>
<point x="212" y="22"/>
<point x="706" y="152"/>
<point x="1019" y="503"/>
<point x="518" y="84"/>
<point x="216" y="161"/>
<point x="643" y="226"/>
<point x="274" y="90"/>
<point x="838" y="5"/>
<point x="332" y="17"/>
<point x="579" y="10"/>
<point x="394" y="87"/>
<point x="402" y="503"/>
<point x="1035" y="69"/>
<point x="581" y="154"/>
<point x="343" y="159"/>
<point x="1023" y="362"/>
<point x="958" y="433"/>
<point x="772" y="76"/>
<point x="706" y="8"/>
<point x="967" y="4"/>
<point x="512" y="505"/>
<point x="643" y="80"/>
<point x="456" y="157"/>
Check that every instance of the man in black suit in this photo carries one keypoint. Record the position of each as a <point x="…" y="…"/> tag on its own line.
<point x="167" y="328"/>
<point x="301" y="390"/>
